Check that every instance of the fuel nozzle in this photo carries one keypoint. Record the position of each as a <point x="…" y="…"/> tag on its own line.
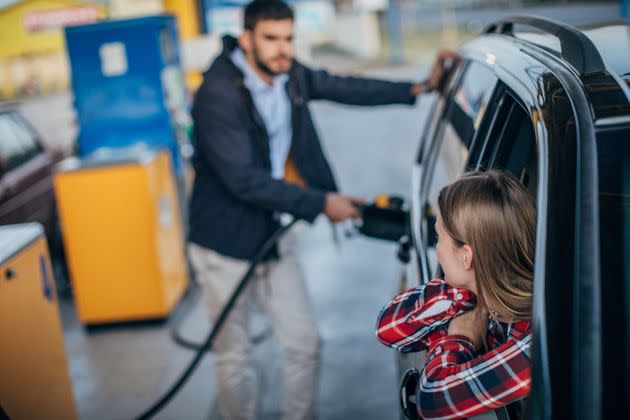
<point x="389" y="202"/>
<point x="385" y="218"/>
<point x="383" y="201"/>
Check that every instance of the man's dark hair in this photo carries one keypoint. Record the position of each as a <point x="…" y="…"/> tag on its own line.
<point x="259" y="10"/>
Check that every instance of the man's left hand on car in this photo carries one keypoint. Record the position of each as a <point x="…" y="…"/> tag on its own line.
<point x="441" y="70"/>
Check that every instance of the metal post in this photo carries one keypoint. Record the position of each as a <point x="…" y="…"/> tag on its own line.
<point x="394" y="31"/>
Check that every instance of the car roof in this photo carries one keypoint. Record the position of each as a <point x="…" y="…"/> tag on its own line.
<point x="598" y="55"/>
<point x="612" y="41"/>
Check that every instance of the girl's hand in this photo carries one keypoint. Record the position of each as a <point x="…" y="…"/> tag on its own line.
<point x="472" y="324"/>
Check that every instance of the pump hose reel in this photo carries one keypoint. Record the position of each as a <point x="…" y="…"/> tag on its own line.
<point x="386" y="218"/>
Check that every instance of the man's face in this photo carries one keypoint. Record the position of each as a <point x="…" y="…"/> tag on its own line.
<point x="270" y="45"/>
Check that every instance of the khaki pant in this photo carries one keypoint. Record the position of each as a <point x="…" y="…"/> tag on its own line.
<point x="280" y="288"/>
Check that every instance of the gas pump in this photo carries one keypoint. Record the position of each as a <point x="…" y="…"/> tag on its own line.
<point x="122" y="199"/>
<point x="129" y="88"/>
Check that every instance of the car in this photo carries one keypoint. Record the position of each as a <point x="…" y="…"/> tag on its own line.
<point x="551" y="106"/>
<point x="26" y="180"/>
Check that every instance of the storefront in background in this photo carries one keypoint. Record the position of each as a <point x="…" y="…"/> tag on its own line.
<point x="32" y="49"/>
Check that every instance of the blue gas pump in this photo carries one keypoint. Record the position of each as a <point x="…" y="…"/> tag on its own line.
<point x="128" y="86"/>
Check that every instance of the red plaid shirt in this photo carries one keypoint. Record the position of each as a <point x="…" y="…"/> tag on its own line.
<point x="456" y="382"/>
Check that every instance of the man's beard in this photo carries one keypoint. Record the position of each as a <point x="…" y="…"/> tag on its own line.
<point x="263" y="66"/>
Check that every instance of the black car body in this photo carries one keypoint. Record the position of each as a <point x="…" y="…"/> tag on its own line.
<point x="552" y="107"/>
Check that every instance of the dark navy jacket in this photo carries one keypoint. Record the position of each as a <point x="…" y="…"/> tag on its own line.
<point x="234" y="196"/>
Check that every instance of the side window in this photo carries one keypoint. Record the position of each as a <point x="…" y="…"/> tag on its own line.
<point x="462" y="118"/>
<point x="514" y="149"/>
<point x="17" y="143"/>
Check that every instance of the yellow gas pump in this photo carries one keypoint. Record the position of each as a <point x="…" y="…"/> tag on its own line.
<point x="122" y="234"/>
<point x="35" y="381"/>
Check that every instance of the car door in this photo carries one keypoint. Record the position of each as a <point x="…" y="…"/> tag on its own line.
<point x="26" y="190"/>
<point x="503" y="137"/>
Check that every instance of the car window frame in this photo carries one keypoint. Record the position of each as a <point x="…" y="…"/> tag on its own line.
<point x="429" y="162"/>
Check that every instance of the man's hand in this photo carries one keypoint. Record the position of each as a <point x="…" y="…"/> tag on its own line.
<point x="472" y="324"/>
<point x="340" y="207"/>
<point x="443" y="65"/>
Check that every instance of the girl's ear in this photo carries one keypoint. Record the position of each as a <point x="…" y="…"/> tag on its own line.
<point x="467" y="256"/>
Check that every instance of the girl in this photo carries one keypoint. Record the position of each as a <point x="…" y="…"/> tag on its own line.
<point x="475" y="322"/>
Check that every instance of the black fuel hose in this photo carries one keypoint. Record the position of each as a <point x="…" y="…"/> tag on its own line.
<point x="207" y="345"/>
<point x="187" y="304"/>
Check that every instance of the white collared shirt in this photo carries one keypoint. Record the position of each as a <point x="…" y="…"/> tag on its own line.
<point x="273" y="104"/>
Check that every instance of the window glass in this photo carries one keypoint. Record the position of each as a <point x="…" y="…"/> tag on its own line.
<point x="17" y="143"/>
<point x="454" y="136"/>
<point x="515" y="150"/>
<point x="474" y="92"/>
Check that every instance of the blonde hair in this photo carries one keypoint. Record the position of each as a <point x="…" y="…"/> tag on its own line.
<point x="493" y="213"/>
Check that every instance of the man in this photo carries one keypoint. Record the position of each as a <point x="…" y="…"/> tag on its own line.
<point x="257" y="156"/>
